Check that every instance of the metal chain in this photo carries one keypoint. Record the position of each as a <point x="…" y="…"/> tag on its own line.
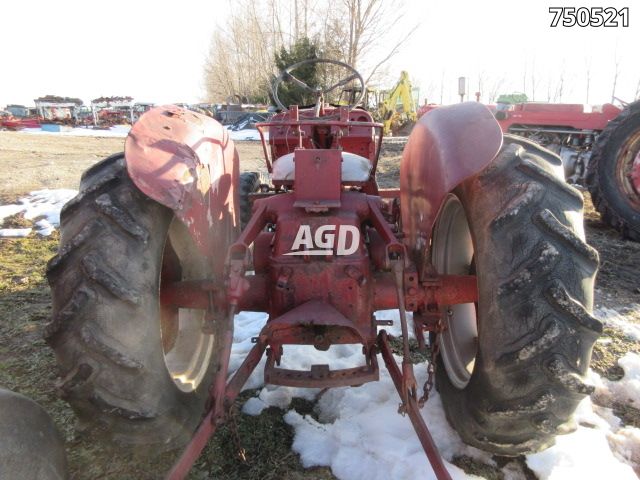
<point x="431" y="372"/>
<point x="233" y="427"/>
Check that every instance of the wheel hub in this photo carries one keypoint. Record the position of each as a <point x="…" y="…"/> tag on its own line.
<point x="453" y="254"/>
<point x="628" y="169"/>
<point x="187" y="349"/>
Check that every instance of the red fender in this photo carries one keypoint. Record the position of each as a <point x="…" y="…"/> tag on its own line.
<point x="447" y="146"/>
<point x="187" y="162"/>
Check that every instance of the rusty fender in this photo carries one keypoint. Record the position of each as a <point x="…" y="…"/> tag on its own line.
<point x="187" y="162"/>
<point x="447" y="146"/>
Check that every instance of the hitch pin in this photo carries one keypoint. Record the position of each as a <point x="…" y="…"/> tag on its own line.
<point x="409" y="384"/>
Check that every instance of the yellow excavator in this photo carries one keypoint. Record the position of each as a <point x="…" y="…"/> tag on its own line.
<point x="395" y="108"/>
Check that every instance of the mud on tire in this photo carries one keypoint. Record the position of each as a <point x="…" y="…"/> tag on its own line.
<point x="106" y="325"/>
<point x="534" y="329"/>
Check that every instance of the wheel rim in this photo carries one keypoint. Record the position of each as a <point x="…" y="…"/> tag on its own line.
<point x="452" y="248"/>
<point x="187" y="350"/>
<point x="627" y="167"/>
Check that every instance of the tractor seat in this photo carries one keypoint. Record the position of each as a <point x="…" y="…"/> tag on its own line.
<point x="355" y="168"/>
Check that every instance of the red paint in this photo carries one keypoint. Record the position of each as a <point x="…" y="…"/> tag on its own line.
<point x="19" y="123"/>
<point x="445" y="147"/>
<point x="318" y="179"/>
<point x="186" y="161"/>
<point x="559" y="115"/>
<point x="315" y="295"/>
<point x="351" y="131"/>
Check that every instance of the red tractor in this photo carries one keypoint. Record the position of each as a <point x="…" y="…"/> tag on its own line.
<point x="483" y="242"/>
<point x="599" y="147"/>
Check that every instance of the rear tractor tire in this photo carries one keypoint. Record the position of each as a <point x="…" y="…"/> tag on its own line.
<point x="135" y="371"/>
<point x="511" y="368"/>
<point x="609" y="173"/>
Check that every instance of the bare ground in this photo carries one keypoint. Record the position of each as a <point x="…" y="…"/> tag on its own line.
<point x="31" y="162"/>
<point x="34" y="161"/>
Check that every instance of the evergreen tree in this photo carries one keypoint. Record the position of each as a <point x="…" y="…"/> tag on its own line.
<point x="288" y="92"/>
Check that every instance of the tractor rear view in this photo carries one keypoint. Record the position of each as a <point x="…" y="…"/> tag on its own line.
<point x="483" y="242"/>
<point x="599" y="147"/>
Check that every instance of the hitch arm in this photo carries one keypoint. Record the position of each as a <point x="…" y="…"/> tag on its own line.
<point x="216" y="413"/>
<point x="412" y="410"/>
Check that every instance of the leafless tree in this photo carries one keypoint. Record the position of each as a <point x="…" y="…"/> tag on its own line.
<point x="534" y="81"/>
<point x="549" y="83"/>
<point x="524" y="76"/>
<point x="616" y="72"/>
<point x="358" y="32"/>
<point x="369" y="21"/>
<point x="588" y="77"/>
<point x="429" y="91"/>
<point x="241" y="56"/>
<point x="481" y="82"/>
<point x="557" y="97"/>
<point x="494" y="84"/>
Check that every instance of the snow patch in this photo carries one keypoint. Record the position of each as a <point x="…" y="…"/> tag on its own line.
<point x="121" y="131"/>
<point x="248" y="134"/>
<point x="616" y="320"/>
<point x="625" y="390"/>
<point x="582" y="454"/>
<point x="15" y="232"/>
<point x="43" y="205"/>
<point x="254" y="406"/>
<point x="359" y="434"/>
<point x="118" y="131"/>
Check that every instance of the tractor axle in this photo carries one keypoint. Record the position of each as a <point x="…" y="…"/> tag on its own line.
<point x="438" y="291"/>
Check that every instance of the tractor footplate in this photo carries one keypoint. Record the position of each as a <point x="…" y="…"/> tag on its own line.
<point x="320" y="376"/>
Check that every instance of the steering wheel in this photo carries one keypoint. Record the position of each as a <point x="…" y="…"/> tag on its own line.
<point x="319" y="92"/>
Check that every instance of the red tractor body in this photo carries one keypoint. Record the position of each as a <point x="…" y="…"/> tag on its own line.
<point x="326" y="254"/>
<point x="467" y="238"/>
<point x="526" y="116"/>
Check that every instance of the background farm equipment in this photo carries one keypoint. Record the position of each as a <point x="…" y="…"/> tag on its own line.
<point x="397" y="108"/>
<point x="20" y="111"/>
<point x="483" y="242"/>
<point x="229" y="113"/>
<point x="9" y="122"/>
<point x="249" y="120"/>
<point x="17" y="117"/>
<point x="110" y="111"/>
<point x="57" y="110"/>
<point x="599" y="147"/>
